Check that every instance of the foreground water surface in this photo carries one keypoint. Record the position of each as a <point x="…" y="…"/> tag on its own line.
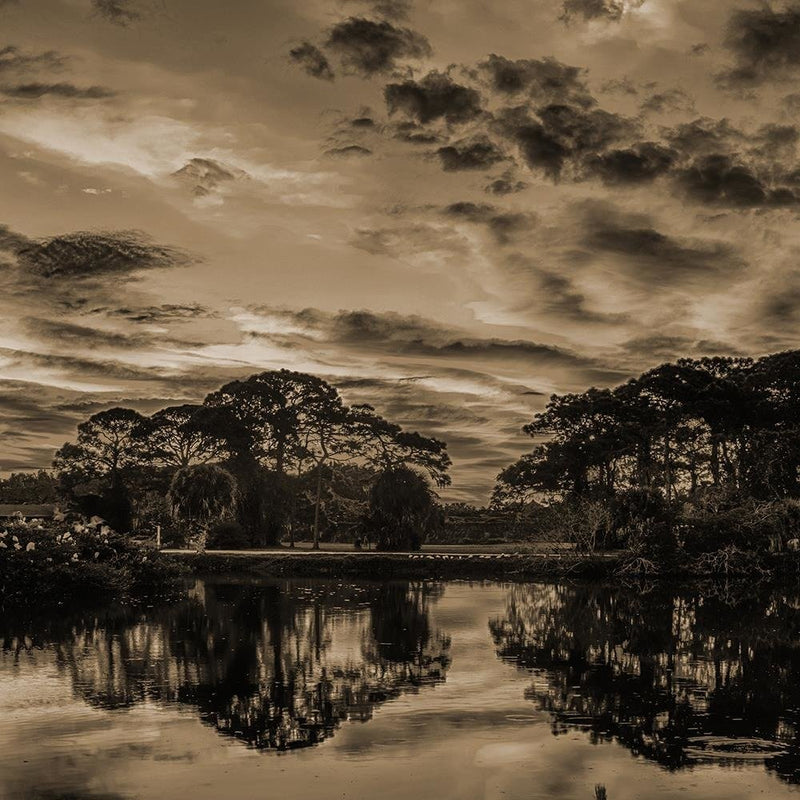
<point x="298" y="689"/>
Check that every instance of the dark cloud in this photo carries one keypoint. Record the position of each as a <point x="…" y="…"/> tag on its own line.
<point x="545" y="79"/>
<point x="415" y="134"/>
<point x="12" y="59"/>
<point x="479" y="153"/>
<point x="651" y="256"/>
<point x="362" y="123"/>
<point x="619" y="86"/>
<point x="11" y="241"/>
<point x="782" y="307"/>
<point x="388" y="9"/>
<point x="367" y="47"/>
<point x="203" y="176"/>
<point x="167" y="312"/>
<point x="665" y="347"/>
<point x="705" y="136"/>
<point x="554" y="292"/>
<point x="34" y="91"/>
<point x="777" y="141"/>
<point x="638" y="164"/>
<point x="597" y="9"/>
<point x="503" y="186"/>
<point x="88" y="254"/>
<point x="312" y="60"/>
<point x="434" y="97"/>
<point x="723" y="180"/>
<point x="81" y="336"/>
<point x="669" y="101"/>
<point x="118" y="12"/>
<point x="415" y="335"/>
<point x="765" y="42"/>
<point x="503" y="225"/>
<point x="562" y="135"/>
<point x="348" y="151"/>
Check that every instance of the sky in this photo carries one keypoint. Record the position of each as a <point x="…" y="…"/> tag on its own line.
<point x="450" y="209"/>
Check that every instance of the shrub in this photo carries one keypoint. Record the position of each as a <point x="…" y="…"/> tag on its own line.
<point x="228" y="536"/>
<point x="79" y="563"/>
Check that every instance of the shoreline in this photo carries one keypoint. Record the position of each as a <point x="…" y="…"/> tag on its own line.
<point x="388" y="566"/>
<point x="454" y="565"/>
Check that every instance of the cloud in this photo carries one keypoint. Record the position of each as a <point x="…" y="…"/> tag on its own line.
<point x="705" y="136"/>
<point x="669" y="101"/>
<point x="637" y="164"/>
<point x="504" y="186"/>
<point x="503" y="225"/>
<point x="167" y="312"/>
<point x="478" y="153"/>
<point x="348" y="151"/>
<point x="388" y="9"/>
<point x="562" y="134"/>
<point x="721" y="179"/>
<point x="415" y="134"/>
<point x="662" y="347"/>
<point x="765" y="42"/>
<point x="545" y="79"/>
<point x="366" y="47"/>
<point x="88" y="254"/>
<point x="312" y="60"/>
<point x="82" y="336"/>
<point x="650" y="256"/>
<point x="612" y="10"/>
<point x="118" y="12"/>
<point x="203" y="176"/>
<point x="12" y="59"/>
<point x="547" y="291"/>
<point x="434" y="97"/>
<point x="412" y="335"/>
<point x="34" y="91"/>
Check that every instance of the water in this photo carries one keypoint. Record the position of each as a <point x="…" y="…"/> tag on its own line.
<point x="295" y="689"/>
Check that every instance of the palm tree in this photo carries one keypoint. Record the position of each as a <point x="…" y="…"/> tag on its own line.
<point x="202" y="494"/>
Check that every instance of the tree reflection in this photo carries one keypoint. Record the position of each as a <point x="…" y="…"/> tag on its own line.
<point x="278" y="666"/>
<point x="677" y="678"/>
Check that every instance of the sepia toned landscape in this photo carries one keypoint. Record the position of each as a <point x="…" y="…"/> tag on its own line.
<point x="399" y="398"/>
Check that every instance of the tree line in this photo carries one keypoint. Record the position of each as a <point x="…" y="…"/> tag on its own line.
<point x="696" y="437"/>
<point x="279" y="452"/>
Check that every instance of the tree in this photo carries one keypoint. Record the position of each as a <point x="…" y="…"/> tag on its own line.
<point x="29" y="487"/>
<point x="180" y="436"/>
<point x="107" y="449"/>
<point x="276" y="407"/>
<point x="402" y="509"/>
<point x="384" y="445"/>
<point x="107" y="444"/>
<point x="200" y="495"/>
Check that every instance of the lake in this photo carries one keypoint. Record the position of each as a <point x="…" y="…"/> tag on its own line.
<point x="296" y="689"/>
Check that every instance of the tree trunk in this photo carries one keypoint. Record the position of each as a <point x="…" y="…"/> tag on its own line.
<point x="316" y="506"/>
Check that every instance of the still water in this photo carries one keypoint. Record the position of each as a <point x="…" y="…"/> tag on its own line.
<point x="296" y="689"/>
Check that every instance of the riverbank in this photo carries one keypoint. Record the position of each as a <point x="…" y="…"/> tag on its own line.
<point x="413" y="566"/>
<point x="467" y="562"/>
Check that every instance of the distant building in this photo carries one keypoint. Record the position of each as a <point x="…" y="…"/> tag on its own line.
<point x="27" y="511"/>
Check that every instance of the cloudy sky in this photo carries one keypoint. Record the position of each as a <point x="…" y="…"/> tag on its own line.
<point x="448" y="208"/>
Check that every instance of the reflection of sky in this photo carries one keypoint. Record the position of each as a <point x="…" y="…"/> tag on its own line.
<point x="473" y="736"/>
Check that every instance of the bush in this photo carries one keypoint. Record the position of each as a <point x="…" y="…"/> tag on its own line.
<point x="228" y="536"/>
<point x="80" y="564"/>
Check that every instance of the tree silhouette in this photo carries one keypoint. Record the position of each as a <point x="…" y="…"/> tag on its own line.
<point x="200" y="495"/>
